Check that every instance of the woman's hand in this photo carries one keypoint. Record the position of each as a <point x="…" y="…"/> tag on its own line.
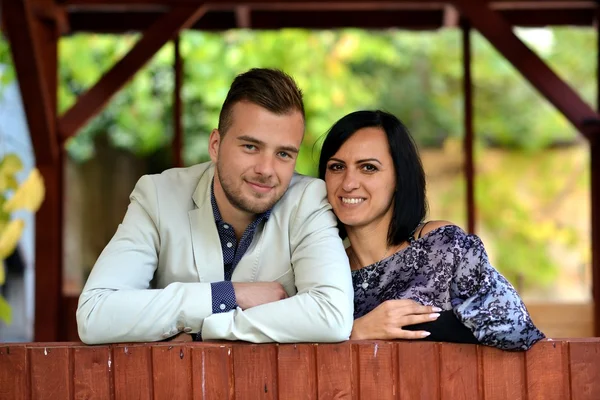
<point x="387" y="320"/>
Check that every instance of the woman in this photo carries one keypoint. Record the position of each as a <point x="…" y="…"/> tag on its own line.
<point x="406" y="272"/>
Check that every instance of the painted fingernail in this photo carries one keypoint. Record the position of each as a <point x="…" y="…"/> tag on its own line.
<point x="425" y="334"/>
<point x="436" y="309"/>
<point x="434" y="315"/>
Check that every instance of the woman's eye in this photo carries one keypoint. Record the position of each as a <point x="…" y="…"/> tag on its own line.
<point x="369" y="168"/>
<point x="335" y="167"/>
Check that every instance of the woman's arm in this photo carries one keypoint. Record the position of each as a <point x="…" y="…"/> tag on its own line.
<point x="485" y="301"/>
<point x="447" y="328"/>
<point x="389" y="320"/>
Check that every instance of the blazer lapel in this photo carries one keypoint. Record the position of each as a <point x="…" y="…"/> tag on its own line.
<point x="205" y="238"/>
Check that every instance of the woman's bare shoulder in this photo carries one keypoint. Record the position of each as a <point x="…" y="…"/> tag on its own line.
<point x="433" y="225"/>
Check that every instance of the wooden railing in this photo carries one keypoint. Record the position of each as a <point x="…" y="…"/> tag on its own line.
<point x="378" y="370"/>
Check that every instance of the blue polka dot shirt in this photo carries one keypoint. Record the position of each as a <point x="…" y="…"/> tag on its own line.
<point x="223" y="295"/>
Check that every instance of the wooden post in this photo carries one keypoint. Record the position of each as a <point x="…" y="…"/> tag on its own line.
<point x="595" y="200"/>
<point x="491" y="24"/>
<point x="468" y="126"/>
<point x="177" y="107"/>
<point x="34" y="46"/>
<point x="49" y="315"/>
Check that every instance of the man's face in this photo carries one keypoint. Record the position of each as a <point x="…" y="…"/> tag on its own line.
<point x="256" y="157"/>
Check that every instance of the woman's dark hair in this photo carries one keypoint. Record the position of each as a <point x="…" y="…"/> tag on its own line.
<point x="410" y="202"/>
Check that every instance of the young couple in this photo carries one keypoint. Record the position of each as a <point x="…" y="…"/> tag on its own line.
<point x="242" y="248"/>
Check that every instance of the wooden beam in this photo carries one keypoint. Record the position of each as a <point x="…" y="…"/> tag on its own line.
<point x="92" y="101"/>
<point x="49" y="311"/>
<point x="177" y="107"/>
<point x="50" y="11"/>
<point x="451" y="16"/>
<point x="220" y="20"/>
<point x="500" y="34"/>
<point x="22" y="26"/>
<point x="595" y="228"/>
<point x="595" y="196"/>
<point x="242" y="17"/>
<point x="104" y="4"/>
<point x="468" y="126"/>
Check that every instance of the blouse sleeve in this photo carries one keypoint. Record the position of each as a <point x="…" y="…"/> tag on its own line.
<point x="485" y="302"/>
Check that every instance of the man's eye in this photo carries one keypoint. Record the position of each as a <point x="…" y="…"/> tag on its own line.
<point x="250" y="147"/>
<point x="283" y="154"/>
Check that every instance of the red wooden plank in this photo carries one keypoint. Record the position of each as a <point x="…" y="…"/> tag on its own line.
<point x="584" y="359"/>
<point x="296" y="366"/>
<point x="92" y="101"/>
<point x="503" y="374"/>
<point x="213" y="372"/>
<point x="24" y="34"/>
<point x="92" y="367"/>
<point x="255" y="371"/>
<point x="500" y="34"/>
<point x="418" y="370"/>
<point x="132" y="372"/>
<point x="377" y="370"/>
<point x="459" y="372"/>
<point x="547" y="371"/>
<point x="50" y="373"/>
<point x="334" y="369"/>
<point x="172" y="372"/>
<point x="14" y="373"/>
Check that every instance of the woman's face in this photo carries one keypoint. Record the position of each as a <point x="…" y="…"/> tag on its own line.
<point x="361" y="179"/>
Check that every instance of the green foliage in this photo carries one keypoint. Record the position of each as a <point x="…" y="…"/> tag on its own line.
<point x="415" y="75"/>
<point x="5" y="311"/>
<point x="7" y="72"/>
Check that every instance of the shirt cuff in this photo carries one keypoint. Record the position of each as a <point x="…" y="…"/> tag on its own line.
<point x="223" y="297"/>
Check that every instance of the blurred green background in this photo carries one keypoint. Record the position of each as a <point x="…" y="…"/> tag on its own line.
<point x="532" y="185"/>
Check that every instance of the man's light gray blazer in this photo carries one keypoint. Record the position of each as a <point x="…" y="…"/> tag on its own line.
<point x="169" y="234"/>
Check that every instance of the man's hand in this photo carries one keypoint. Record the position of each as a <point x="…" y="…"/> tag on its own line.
<point x="252" y="294"/>
<point x="182" y="337"/>
<point x="388" y="318"/>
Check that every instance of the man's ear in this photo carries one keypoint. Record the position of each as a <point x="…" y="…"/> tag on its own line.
<point x="213" y="145"/>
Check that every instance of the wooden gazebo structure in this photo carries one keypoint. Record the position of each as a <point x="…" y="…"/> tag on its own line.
<point x="34" y="27"/>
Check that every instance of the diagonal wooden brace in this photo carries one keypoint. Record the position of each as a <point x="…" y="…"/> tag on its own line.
<point x="23" y="33"/>
<point x="91" y="102"/>
<point x="499" y="33"/>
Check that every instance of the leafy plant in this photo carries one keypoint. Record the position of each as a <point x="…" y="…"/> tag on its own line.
<point x="26" y="196"/>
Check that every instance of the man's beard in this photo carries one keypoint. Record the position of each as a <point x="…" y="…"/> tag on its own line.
<point x="238" y="200"/>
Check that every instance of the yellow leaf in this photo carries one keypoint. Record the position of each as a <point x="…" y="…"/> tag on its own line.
<point x="10" y="237"/>
<point x="10" y="164"/>
<point x="29" y="195"/>
<point x="2" y="273"/>
<point x="5" y="312"/>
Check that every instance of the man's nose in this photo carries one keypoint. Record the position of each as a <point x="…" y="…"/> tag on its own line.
<point x="264" y="165"/>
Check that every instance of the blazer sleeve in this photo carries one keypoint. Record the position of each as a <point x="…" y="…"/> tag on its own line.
<point x="117" y="304"/>
<point x="485" y="302"/>
<point x="322" y="310"/>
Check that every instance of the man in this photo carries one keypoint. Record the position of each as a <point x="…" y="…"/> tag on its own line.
<point x="239" y="248"/>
